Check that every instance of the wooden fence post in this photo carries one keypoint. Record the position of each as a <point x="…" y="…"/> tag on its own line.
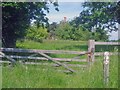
<point x="91" y="48"/>
<point x="106" y="68"/>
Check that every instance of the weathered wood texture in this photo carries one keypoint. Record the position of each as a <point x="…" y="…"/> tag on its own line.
<point x="106" y="68"/>
<point x="9" y="58"/>
<point x="43" y="58"/>
<point x="91" y="48"/>
<point x="90" y="52"/>
<point x="62" y="64"/>
<point x="52" y="64"/>
<point x="42" y="51"/>
<point x="4" y="61"/>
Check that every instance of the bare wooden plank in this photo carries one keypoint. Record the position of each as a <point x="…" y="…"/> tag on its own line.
<point x="9" y="58"/>
<point x="5" y="62"/>
<point x="69" y="59"/>
<point x="37" y="63"/>
<point x="72" y="65"/>
<point x="76" y="65"/>
<point x="27" y="57"/>
<point x="43" y="58"/>
<point x="42" y="51"/>
<point x="107" y="43"/>
<point x="65" y="66"/>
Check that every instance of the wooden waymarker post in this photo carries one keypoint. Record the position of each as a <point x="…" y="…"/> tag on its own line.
<point x="106" y="68"/>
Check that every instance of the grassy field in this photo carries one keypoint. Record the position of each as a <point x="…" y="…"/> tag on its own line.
<point x="40" y="76"/>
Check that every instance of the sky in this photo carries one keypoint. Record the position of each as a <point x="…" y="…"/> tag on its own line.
<point x="66" y="9"/>
<point x="69" y="10"/>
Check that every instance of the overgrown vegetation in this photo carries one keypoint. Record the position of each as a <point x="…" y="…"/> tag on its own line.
<point x="36" y="33"/>
<point x="17" y="17"/>
<point x="40" y="76"/>
<point x="92" y="23"/>
<point x="67" y="32"/>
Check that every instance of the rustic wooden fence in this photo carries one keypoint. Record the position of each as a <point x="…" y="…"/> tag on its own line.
<point x="92" y="44"/>
<point x="44" y="54"/>
<point x="106" y="58"/>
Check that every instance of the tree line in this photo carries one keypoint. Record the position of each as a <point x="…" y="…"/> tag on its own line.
<point x="94" y="22"/>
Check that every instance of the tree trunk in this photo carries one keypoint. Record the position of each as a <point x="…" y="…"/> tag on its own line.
<point x="8" y="38"/>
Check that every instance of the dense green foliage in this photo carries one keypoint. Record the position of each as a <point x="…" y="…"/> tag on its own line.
<point x="118" y="12"/>
<point x="67" y="32"/>
<point x="16" y="18"/>
<point x="94" y="22"/>
<point x="64" y="31"/>
<point x="97" y="15"/>
<point x="36" y="33"/>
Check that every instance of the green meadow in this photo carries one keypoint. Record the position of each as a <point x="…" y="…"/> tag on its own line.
<point x="47" y="76"/>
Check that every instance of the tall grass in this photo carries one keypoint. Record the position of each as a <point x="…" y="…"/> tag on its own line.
<point x="41" y="76"/>
<point x="54" y="45"/>
<point x="50" y="77"/>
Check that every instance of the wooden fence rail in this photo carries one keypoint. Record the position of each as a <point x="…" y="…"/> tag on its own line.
<point x="107" y="43"/>
<point x="43" y="58"/>
<point x="91" y="47"/>
<point x="90" y="54"/>
<point x="42" y="51"/>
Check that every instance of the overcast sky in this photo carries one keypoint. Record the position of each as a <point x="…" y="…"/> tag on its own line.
<point x="69" y="10"/>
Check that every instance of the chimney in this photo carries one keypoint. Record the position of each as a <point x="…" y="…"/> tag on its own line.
<point x="65" y="18"/>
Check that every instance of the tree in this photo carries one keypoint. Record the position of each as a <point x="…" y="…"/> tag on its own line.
<point x="80" y="34"/>
<point x="97" y="17"/>
<point x="16" y="18"/>
<point x="118" y="12"/>
<point x="64" y="31"/>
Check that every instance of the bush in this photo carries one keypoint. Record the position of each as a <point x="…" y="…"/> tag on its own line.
<point x="67" y="32"/>
<point x="80" y="34"/>
<point x="63" y="31"/>
<point x="36" y="34"/>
